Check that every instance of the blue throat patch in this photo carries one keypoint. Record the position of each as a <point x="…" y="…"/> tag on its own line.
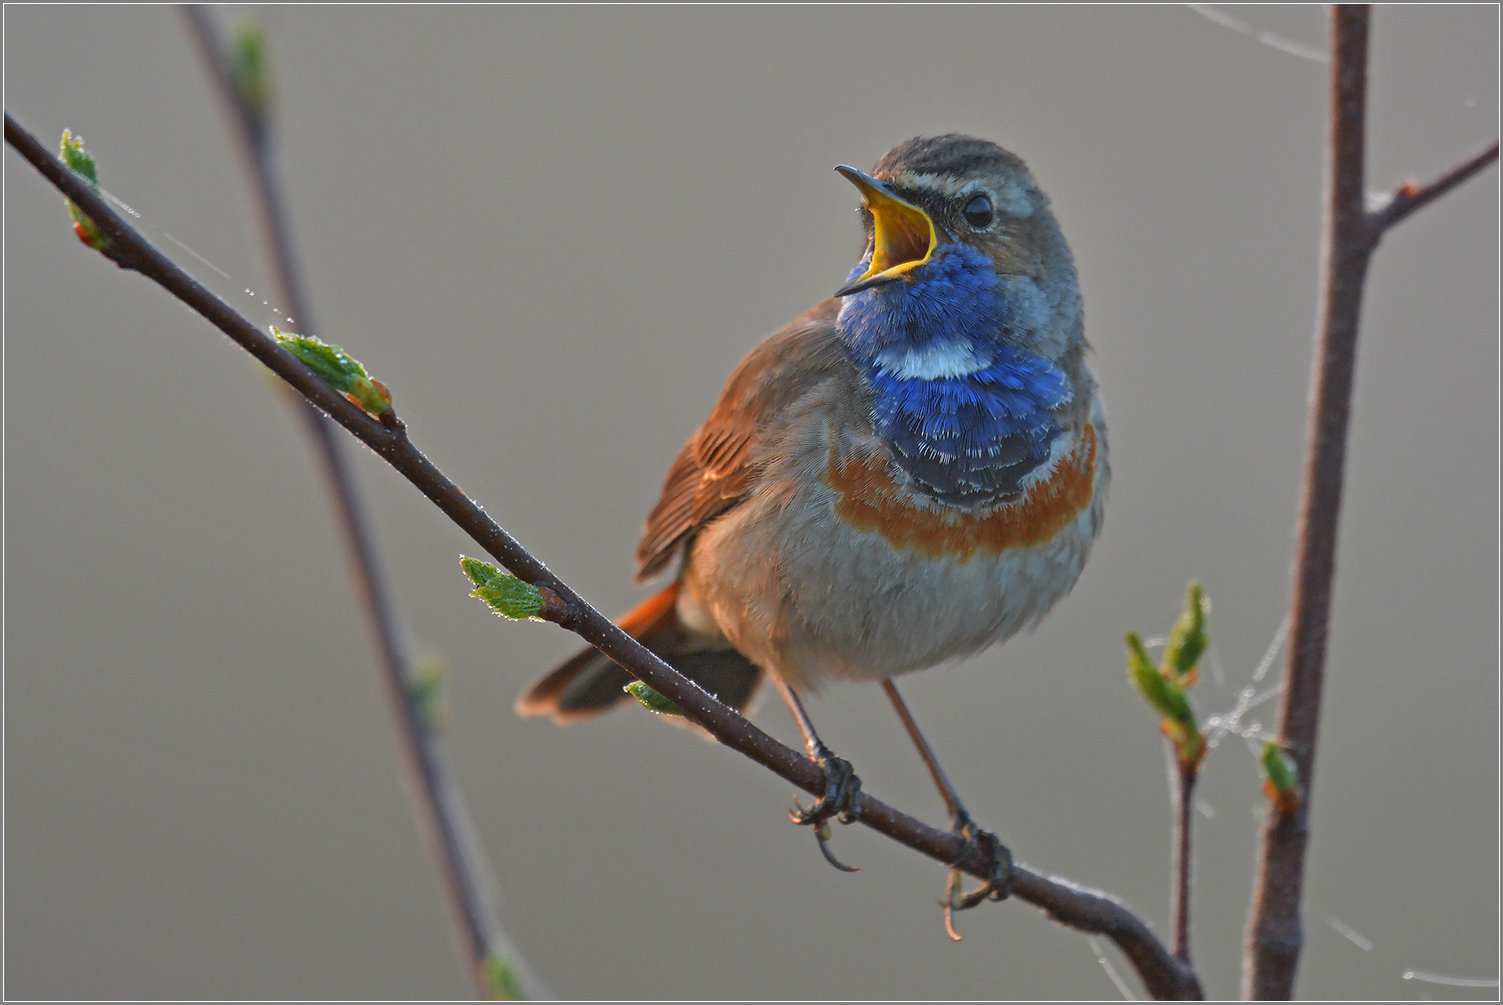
<point x="966" y="411"/>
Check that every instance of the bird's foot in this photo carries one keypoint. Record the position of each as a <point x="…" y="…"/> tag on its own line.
<point x="842" y="799"/>
<point x="999" y="879"/>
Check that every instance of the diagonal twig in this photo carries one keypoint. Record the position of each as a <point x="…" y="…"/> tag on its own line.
<point x="436" y="798"/>
<point x="1350" y="235"/>
<point x="1409" y="196"/>
<point x="1083" y="909"/>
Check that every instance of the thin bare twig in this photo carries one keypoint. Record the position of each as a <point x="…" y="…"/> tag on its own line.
<point x="1351" y="233"/>
<point x="1410" y="197"/>
<point x="436" y="798"/>
<point x="1085" y="910"/>
<point x="1182" y="798"/>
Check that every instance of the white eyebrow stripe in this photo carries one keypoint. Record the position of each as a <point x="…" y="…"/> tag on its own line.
<point x="932" y="362"/>
<point x="1013" y="199"/>
<point x="943" y="184"/>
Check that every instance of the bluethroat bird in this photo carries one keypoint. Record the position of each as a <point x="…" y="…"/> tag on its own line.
<point x="911" y="471"/>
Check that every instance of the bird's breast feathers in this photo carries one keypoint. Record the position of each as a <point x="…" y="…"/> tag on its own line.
<point x="869" y="493"/>
<point x="838" y="563"/>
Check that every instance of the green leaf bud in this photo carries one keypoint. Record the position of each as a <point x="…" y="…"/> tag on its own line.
<point x="428" y="692"/>
<point x="251" y="67"/>
<point x="72" y="153"/>
<point x="337" y="369"/>
<point x="1188" y="639"/>
<point x="479" y="572"/>
<point x="651" y="700"/>
<point x="79" y="159"/>
<point x="1163" y="695"/>
<point x="1280" y="773"/>
<point x="506" y="594"/>
<point x="501" y="979"/>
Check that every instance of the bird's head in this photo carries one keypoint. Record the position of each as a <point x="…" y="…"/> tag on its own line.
<point x="960" y="240"/>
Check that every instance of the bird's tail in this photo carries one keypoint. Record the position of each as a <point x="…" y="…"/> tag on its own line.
<point x="590" y="683"/>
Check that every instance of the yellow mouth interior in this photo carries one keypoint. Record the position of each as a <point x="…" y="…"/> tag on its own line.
<point x="903" y="237"/>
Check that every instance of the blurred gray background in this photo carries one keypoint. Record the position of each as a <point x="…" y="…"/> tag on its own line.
<point x="553" y="232"/>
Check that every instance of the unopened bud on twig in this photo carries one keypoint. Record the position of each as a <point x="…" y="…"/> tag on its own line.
<point x="337" y="369"/>
<point x="1165" y="696"/>
<point x="1187" y="639"/>
<point x="651" y="700"/>
<point x="1164" y="686"/>
<point x="501" y="979"/>
<point x="428" y="692"/>
<point x="72" y="153"/>
<point x="1280" y="776"/>
<point x="506" y="594"/>
<point x="252" y="68"/>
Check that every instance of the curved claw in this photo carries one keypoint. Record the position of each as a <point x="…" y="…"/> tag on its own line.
<point x="822" y="834"/>
<point x="842" y="799"/>
<point x="998" y="885"/>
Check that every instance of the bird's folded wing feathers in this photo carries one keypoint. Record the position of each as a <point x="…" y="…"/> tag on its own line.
<point x="716" y="469"/>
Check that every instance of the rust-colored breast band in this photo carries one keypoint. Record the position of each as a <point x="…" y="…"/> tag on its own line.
<point x="867" y="498"/>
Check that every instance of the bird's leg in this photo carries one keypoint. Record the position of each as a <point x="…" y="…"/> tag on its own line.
<point x="842" y="794"/>
<point x="959" y="818"/>
<point x="999" y="881"/>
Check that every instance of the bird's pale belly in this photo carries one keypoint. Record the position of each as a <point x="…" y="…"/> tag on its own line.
<point x="883" y="587"/>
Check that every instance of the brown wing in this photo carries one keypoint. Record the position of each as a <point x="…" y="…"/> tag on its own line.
<point x="715" y="470"/>
<point x="590" y="683"/>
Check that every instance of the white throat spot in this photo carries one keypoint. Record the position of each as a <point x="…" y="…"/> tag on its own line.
<point x="933" y="362"/>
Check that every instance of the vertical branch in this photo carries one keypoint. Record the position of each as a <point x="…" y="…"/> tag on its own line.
<point x="1182" y="796"/>
<point x="1349" y="236"/>
<point x="1274" y="935"/>
<point x="493" y="965"/>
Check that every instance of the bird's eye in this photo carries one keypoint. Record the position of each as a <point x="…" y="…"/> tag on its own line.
<point x="978" y="212"/>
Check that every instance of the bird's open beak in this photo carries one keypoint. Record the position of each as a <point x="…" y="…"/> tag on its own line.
<point x="905" y="237"/>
